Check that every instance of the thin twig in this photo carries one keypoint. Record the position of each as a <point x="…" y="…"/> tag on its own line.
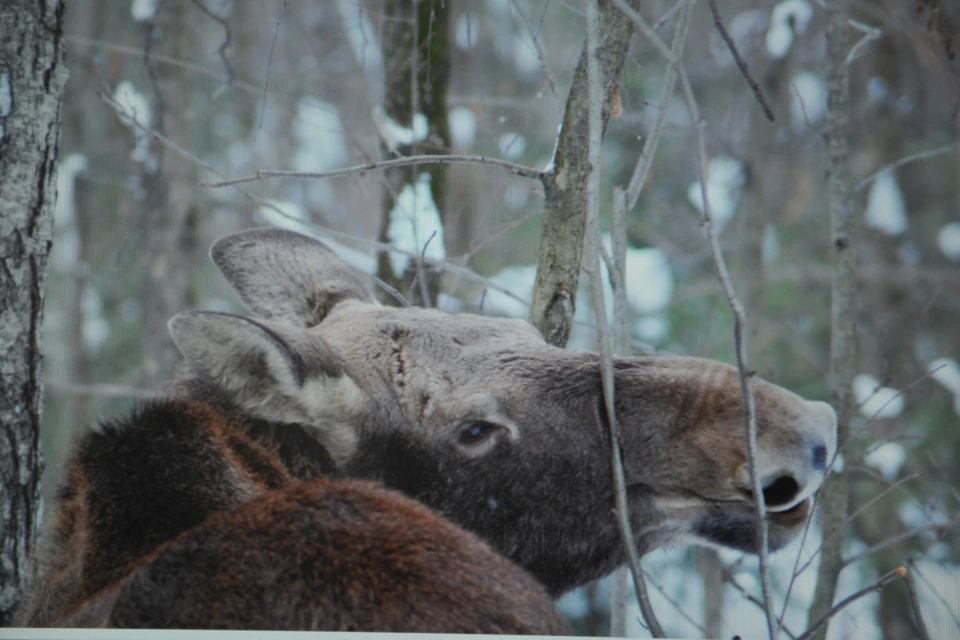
<point x="936" y="528"/>
<point x="406" y="161"/>
<point x="595" y="102"/>
<point x="827" y="536"/>
<point x="899" y="572"/>
<point x="914" y="157"/>
<point x="222" y="51"/>
<point x="741" y="63"/>
<point x="746" y="375"/>
<point x="266" y="79"/>
<point x="915" y="604"/>
<point x="729" y="578"/>
<point x="673" y="56"/>
<point x="418" y="275"/>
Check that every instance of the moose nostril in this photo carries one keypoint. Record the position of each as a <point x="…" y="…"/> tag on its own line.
<point x="820" y="457"/>
<point x="781" y="491"/>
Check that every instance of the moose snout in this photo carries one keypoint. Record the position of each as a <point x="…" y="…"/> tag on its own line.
<point x="791" y="473"/>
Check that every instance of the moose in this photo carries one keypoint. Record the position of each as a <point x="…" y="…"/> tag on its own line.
<point x="331" y="463"/>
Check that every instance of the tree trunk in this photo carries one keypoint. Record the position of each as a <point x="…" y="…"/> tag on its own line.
<point x="564" y="219"/>
<point x="32" y="75"/>
<point x="416" y="82"/>
<point x="834" y="497"/>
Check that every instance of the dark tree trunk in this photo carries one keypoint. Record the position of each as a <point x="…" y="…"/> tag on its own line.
<point x="32" y="75"/>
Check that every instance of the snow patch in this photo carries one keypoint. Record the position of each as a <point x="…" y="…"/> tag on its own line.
<point x="134" y="109"/>
<point x="948" y="240"/>
<point x="395" y="135"/>
<point x="724" y="181"/>
<point x="319" y="137"/>
<point x="946" y="371"/>
<point x="808" y="103"/>
<point x="463" y="128"/>
<point x="886" y="210"/>
<point x="512" y="145"/>
<point x="875" y="400"/>
<point x="887" y="459"/>
<point x="143" y="10"/>
<point x="789" y="17"/>
<point x="466" y="33"/>
<point x="413" y="219"/>
<point x="518" y="280"/>
<point x="362" y="39"/>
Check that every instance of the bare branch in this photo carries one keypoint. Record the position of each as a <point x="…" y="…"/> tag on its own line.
<point x="741" y="63"/>
<point x="595" y="100"/>
<point x="406" y="161"/>
<point x="222" y="51"/>
<point x="746" y="375"/>
<point x="899" y="572"/>
<point x="937" y="528"/>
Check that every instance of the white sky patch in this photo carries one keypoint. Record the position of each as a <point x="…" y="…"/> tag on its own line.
<point x="886" y="209"/>
<point x="808" y="101"/>
<point x="143" y="10"/>
<point x="134" y="106"/>
<point x="463" y="128"/>
<point x="887" y="459"/>
<point x="362" y="39"/>
<point x="877" y="88"/>
<point x="512" y="145"/>
<point x="395" y="135"/>
<point x="724" y="181"/>
<point x="467" y="31"/>
<point x="948" y="240"/>
<point x="780" y="34"/>
<point x="875" y="400"/>
<point x="413" y="219"/>
<point x="518" y="280"/>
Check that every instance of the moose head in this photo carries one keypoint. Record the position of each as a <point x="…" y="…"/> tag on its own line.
<point x="481" y="420"/>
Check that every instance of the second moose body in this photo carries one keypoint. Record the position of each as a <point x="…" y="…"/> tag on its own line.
<point x="475" y="417"/>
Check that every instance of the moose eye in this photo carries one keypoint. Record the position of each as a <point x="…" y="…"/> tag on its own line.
<point x="476" y="432"/>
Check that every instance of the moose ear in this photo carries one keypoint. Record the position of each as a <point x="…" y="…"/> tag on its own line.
<point x="286" y="276"/>
<point x="273" y="371"/>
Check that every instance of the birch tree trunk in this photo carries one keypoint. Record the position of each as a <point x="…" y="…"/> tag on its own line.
<point x="843" y="313"/>
<point x="32" y="75"/>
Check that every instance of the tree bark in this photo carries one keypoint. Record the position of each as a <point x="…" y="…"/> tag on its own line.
<point x="417" y="82"/>
<point x="564" y="211"/>
<point x="834" y="497"/>
<point x="32" y="75"/>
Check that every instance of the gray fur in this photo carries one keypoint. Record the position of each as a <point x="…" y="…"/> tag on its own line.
<point x="399" y="388"/>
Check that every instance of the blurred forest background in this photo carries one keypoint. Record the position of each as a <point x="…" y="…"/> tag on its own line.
<point x="166" y="97"/>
